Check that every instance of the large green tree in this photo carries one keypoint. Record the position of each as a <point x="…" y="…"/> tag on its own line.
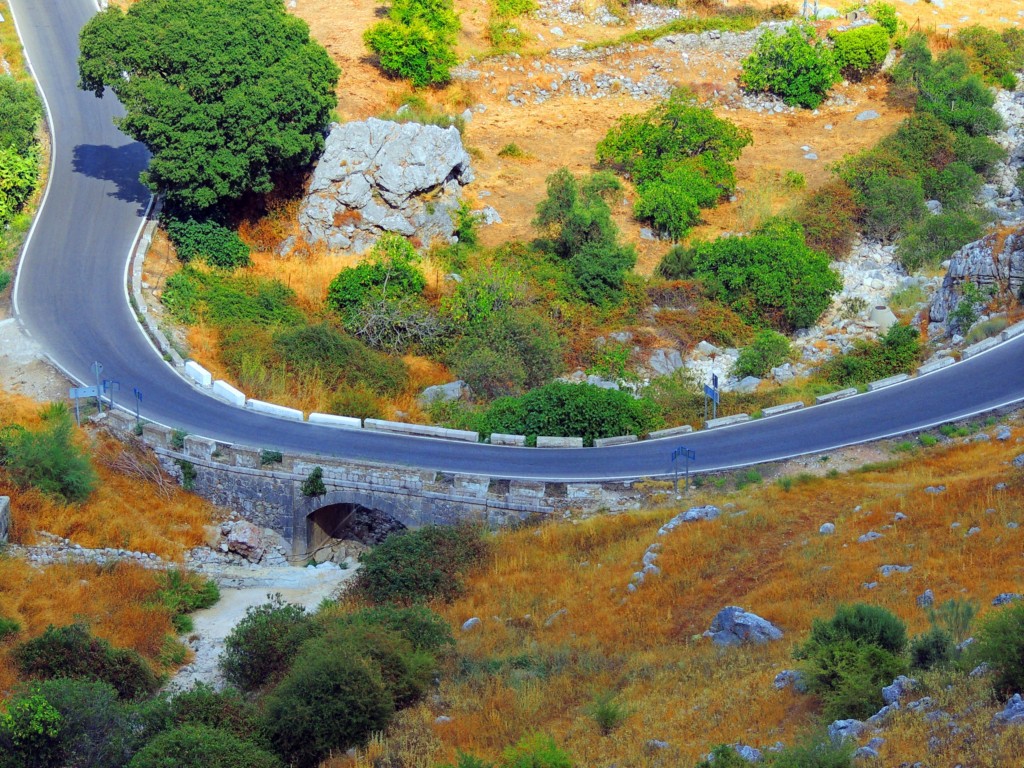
<point x="224" y="93"/>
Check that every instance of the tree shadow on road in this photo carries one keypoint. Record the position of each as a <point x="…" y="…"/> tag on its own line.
<point x="120" y="165"/>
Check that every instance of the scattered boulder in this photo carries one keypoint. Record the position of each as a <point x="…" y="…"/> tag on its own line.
<point x="5" y="518"/>
<point x="748" y="753"/>
<point x="1012" y="713"/>
<point x="655" y="745"/>
<point x="442" y="720"/>
<point x="734" y="626"/>
<point x="987" y="263"/>
<point x="842" y="730"/>
<point x="788" y="677"/>
<point x="867" y="114"/>
<point x="899" y="688"/>
<point x="1018" y="462"/>
<point x="881" y="715"/>
<point x="487" y="216"/>
<point x="665" y="361"/>
<point x="470" y="624"/>
<point x="981" y="670"/>
<point x="1006" y="597"/>
<point x="926" y="599"/>
<point x="245" y="539"/>
<point x="550" y="620"/>
<point x="746" y="384"/>
<point x="444" y="393"/>
<point x="869" y="536"/>
<point x="889" y="570"/>
<point x="1003" y="433"/>
<point x="693" y="514"/>
<point x="827" y="529"/>
<point x="935" y="489"/>
<point x="378" y="176"/>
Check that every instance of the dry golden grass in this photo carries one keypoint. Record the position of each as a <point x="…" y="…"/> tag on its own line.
<point x="515" y="675"/>
<point x="122" y="512"/>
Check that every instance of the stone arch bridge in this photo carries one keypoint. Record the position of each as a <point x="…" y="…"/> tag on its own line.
<point x="266" y="489"/>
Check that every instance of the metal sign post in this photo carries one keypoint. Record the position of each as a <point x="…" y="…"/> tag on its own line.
<point x="76" y="393"/>
<point x="689" y="456"/>
<point x="138" y="399"/>
<point x="111" y="386"/>
<point x="97" y="369"/>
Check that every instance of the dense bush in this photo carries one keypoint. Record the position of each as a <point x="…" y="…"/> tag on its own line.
<point x="8" y="628"/>
<point x="934" y="648"/>
<point x="18" y="176"/>
<point x="851" y="656"/>
<point x="768" y="350"/>
<point x="226" y="710"/>
<point x="329" y="701"/>
<point x="223" y="93"/>
<point x="209" y="240"/>
<point x="955" y="186"/>
<point x="573" y="410"/>
<point x="680" y="156"/>
<point x="794" y="65"/>
<point x="72" y="652"/>
<point x="995" y="60"/>
<point x="47" y="458"/>
<point x="421" y="565"/>
<point x="770" y="277"/>
<point x="324" y="352"/>
<point x="262" y="645"/>
<point x="885" y="15"/>
<point x="507" y="352"/>
<point x="229" y="301"/>
<point x="182" y="593"/>
<point x="1000" y="643"/>
<point x="357" y="401"/>
<point x="417" y="41"/>
<point x="198" y="746"/>
<point x="936" y="238"/>
<point x="815" y="751"/>
<point x="580" y="235"/>
<point x="535" y="751"/>
<point x="30" y="734"/>
<point x="895" y="352"/>
<point x="892" y="204"/>
<point x="426" y="630"/>
<point x="860" y="51"/>
<point x="829" y="217"/>
<point x="390" y="267"/>
<point x="20" y="113"/>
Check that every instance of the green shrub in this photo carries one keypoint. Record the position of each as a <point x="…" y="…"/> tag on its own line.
<point x="8" y="628"/>
<point x="72" y="652"/>
<point x="815" y="751"/>
<point x="261" y="646"/>
<point x="390" y="266"/>
<point x="5" y="279"/>
<point x="356" y="401"/>
<point x="198" y="746"/>
<point x="229" y="301"/>
<point x="965" y="313"/>
<point x="849" y="675"/>
<point x="891" y="205"/>
<point x="935" y="238"/>
<point x="48" y="459"/>
<point x="421" y="565"/>
<point x="986" y="330"/>
<point x="680" y="155"/>
<point x="768" y="350"/>
<point x="468" y="761"/>
<point x="582" y="238"/>
<point x="955" y="615"/>
<point x="955" y="186"/>
<point x="829" y="217"/>
<point x="927" y="440"/>
<point x="426" y="630"/>
<point x="20" y="113"/>
<point x="183" y="593"/>
<point x="859" y="623"/>
<point x="980" y="153"/>
<point x="895" y="352"/>
<point x="885" y="15"/>
<point x="608" y="713"/>
<point x="572" y="410"/>
<point x="209" y="240"/>
<point x="18" y="176"/>
<point x="723" y="756"/>
<point x="322" y="351"/>
<point x="329" y="701"/>
<point x="932" y="649"/>
<point x="990" y="55"/>
<point x="536" y="751"/>
<point x="769" y="277"/>
<point x="227" y="710"/>
<point x="509" y="8"/>
<point x="512" y="151"/>
<point x="30" y="734"/>
<point x="794" y="65"/>
<point x="270" y="457"/>
<point x="860" y="51"/>
<point x="313" y="486"/>
<point x="1000" y="643"/>
<point x="417" y="41"/>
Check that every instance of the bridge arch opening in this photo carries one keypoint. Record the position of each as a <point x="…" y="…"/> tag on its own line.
<point x="335" y="531"/>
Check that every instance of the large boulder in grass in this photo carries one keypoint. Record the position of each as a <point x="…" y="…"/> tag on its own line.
<point x="735" y="626"/>
<point x="378" y="176"/>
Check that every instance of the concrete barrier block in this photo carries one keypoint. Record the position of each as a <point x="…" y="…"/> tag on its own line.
<point x="198" y="374"/>
<point x="270" y="409"/>
<point x="874" y="386"/>
<point x="472" y="485"/>
<point x="685" y="429"/>
<point x="246" y="457"/>
<point x="559" y="442"/>
<point x="726" y="421"/>
<point x="199" y="447"/>
<point x="531" y="489"/>
<point x="833" y="396"/>
<point x="499" y="438"/>
<point x="330" y="420"/>
<point x="156" y="435"/>
<point x="981" y="346"/>
<point x="422" y="430"/>
<point x="775" y="410"/>
<point x="229" y="394"/>
<point x="1012" y="331"/>
<point x="935" y="365"/>
<point x="605" y="442"/>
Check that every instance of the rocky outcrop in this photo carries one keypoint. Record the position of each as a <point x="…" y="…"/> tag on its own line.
<point x="378" y="176"/>
<point x="734" y="626"/>
<point x="985" y="263"/>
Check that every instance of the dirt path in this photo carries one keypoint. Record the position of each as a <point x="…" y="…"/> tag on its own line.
<point x="24" y="368"/>
<point x="303" y="586"/>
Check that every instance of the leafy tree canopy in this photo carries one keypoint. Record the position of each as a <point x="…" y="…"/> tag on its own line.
<point x="223" y="92"/>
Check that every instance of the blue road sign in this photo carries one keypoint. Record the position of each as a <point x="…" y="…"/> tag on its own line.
<point x="76" y="392"/>
<point x="712" y="393"/>
<point x="714" y="381"/>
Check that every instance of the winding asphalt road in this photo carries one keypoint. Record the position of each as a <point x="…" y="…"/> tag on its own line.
<point x="70" y="297"/>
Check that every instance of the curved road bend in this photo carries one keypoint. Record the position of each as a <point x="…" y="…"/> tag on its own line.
<point x="70" y="296"/>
